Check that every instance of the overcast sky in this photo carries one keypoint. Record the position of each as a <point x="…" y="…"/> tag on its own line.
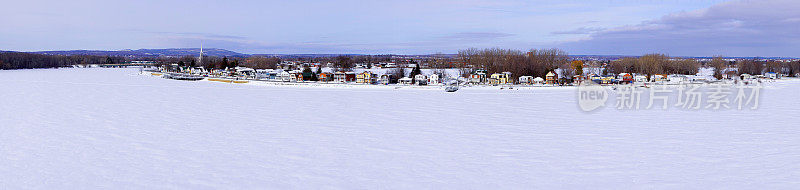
<point x="610" y="27"/>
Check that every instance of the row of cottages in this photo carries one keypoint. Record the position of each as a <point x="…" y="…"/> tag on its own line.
<point x="273" y="75"/>
<point x="245" y="72"/>
<point x="480" y="76"/>
<point x="549" y="78"/>
<point x="344" y="77"/>
<point x="602" y="79"/>
<point x="769" y="75"/>
<point x="530" y="80"/>
<point x="420" y="79"/>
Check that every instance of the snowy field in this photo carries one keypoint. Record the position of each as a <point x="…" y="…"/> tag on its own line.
<point x="115" y="129"/>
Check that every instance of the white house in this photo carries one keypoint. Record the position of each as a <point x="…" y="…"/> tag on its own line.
<point x="675" y="78"/>
<point x="263" y="74"/>
<point x="538" y="80"/>
<point x="526" y="80"/>
<point x="640" y="78"/>
<point x="293" y="76"/>
<point x="433" y="79"/>
<point x="245" y="72"/>
<point x="284" y="76"/>
<point x="771" y="75"/>
<point x="421" y="79"/>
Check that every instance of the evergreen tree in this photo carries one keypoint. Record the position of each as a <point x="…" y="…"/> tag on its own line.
<point x="415" y="72"/>
<point x="109" y="60"/>
<point x="308" y="74"/>
<point x="235" y="63"/>
<point x="224" y="63"/>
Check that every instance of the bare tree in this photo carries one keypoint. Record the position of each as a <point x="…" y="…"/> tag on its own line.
<point x="749" y="66"/>
<point x="343" y="63"/>
<point x="651" y="64"/>
<point x="261" y="62"/>
<point x="719" y="66"/>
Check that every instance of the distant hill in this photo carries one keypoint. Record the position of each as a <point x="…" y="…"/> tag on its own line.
<point x="172" y="52"/>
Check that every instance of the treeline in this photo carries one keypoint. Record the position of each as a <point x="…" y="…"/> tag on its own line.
<point x="536" y="62"/>
<point x="651" y="64"/>
<point x="19" y="60"/>
<point x="754" y="67"/>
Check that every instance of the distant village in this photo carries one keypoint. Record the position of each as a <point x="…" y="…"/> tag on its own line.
<point x="548" y="67"/>
<point x="492" y="66"/>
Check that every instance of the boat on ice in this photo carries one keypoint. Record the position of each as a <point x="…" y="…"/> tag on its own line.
<point x="452" y="86"/>
<point x="451" y="89"/>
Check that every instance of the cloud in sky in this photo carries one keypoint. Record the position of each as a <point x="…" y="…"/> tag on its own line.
<point x="739" y="28"/>
<point x="477" y="35"/>
<point x="405" y="26"/>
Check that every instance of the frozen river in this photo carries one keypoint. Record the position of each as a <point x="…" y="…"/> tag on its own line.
<point x="113" y="128"/>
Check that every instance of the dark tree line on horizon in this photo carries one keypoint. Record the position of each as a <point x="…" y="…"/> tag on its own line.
<point x="535" y="62"/>
<point x="19" y="60"/>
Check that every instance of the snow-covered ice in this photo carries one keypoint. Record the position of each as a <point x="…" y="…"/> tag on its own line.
<point x="113" y="128"/>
